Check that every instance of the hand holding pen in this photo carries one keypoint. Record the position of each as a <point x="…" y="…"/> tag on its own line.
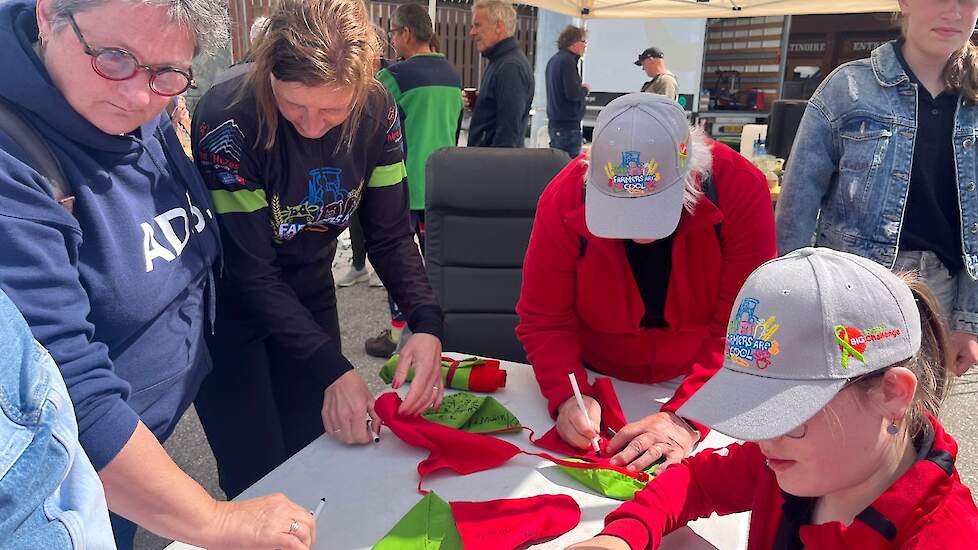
<point x="579" y="428"/>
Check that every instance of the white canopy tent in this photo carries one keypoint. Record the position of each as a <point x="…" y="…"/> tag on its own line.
<point x="660" y="9"/>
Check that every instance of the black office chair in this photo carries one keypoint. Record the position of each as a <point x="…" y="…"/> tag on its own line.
<point x="782" y="125"/>
<point x="479" y="209"/>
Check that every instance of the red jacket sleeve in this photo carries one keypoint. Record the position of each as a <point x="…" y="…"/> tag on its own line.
<point x="714" y="481"/>
<point x="747" y="240"/>
<point x="548" y="319"/>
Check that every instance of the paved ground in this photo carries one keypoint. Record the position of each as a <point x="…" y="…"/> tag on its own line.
<point x="363" y="313"/>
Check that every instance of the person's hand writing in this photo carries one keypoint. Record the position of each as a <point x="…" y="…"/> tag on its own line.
<point x="347" y="404"/>
<point x="261" y="523"/>
<point x="640" y="444"/>
<point x="572" y="425"/>
<point x="422" y="353"/>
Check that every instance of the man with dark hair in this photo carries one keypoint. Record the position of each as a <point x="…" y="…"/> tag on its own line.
<point x="566" y="92"/>
<point x="428" y="93"/>
<point x="653" y="62"/>
<point x="502" y="109"/>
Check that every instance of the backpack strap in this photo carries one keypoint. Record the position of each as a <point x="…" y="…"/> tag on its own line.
<point x="39" y="156"/>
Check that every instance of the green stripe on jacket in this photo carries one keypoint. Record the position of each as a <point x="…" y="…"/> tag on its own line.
<point x="385" y="176"/>
<point x="244" y="200"/>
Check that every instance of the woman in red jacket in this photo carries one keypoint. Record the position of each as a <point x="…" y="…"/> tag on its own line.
<point x="637" y="281"/>
<point x="835" y="370"/>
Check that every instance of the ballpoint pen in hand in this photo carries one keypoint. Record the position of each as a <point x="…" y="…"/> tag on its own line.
<point x="580" y="403"/>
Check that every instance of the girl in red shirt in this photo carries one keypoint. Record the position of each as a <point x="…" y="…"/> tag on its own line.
<point x="834" y="371"/>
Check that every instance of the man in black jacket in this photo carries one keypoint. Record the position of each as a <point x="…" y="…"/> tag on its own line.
<point x="566" y="92"/>
<point x="502" y="110"/>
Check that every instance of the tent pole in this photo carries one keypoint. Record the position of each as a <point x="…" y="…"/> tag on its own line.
<point x="785" y="38"/>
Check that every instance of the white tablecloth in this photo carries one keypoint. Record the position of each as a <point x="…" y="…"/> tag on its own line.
<point x="369" y="488"/>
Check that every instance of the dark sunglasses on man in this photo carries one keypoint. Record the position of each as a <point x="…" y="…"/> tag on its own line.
<point x="118" y="64"/>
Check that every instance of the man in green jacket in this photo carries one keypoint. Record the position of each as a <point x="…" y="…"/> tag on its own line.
<point x="428" y="93"/>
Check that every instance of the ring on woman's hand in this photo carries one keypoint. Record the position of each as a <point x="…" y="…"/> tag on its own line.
<point x="434" y="388"/>
<point x="294" y="527"/>
<point x="336" y="430"/>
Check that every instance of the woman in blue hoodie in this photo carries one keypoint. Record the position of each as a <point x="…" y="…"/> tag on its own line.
<point x="118" y="290"/>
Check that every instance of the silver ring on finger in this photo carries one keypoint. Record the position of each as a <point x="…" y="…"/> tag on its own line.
<point x="294" y="527"/>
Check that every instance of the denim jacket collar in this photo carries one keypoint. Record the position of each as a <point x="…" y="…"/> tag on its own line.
<point x="886" y="67"/>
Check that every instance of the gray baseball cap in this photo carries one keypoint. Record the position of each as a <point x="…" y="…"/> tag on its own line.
<point x="637" y="175"/>
<point x="803" y="325"/>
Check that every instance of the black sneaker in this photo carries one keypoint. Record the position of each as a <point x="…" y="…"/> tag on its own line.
<point x="381" y="345"/>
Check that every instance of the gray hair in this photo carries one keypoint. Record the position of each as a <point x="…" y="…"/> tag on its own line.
<point x="699" y="166"/>
<point x="499" y="11"/>
<point x="207" y="19"/>
<point x="258" y="27"/>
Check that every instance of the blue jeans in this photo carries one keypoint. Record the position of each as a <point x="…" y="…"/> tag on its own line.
<point x="567" y="140"/>
<point x="50" y="495"/>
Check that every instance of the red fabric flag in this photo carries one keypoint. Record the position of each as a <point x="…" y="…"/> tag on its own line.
<point x="514" y="522"/>
<point x="459" y="451"/>
<point x="464" y="452"/>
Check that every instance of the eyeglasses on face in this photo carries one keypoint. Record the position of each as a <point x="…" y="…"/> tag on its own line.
<point x="802" y="431"/>
<point x="118" y="64"/>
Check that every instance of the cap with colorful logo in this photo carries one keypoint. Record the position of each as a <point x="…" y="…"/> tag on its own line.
<point x="803" y="325"/>
<point x="639" y="165"/>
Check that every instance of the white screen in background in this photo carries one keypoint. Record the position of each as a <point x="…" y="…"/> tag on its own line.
<point x="613" y="46"/>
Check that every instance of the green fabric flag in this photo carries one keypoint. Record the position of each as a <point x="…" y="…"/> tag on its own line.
<point x="609" y="483"/>
<point x="429" y="525"/>
<point x="474" y="413"/>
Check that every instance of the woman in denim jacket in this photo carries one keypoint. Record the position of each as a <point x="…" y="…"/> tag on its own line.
<point x="884" y="162"/>
<point x="50" y="495"/>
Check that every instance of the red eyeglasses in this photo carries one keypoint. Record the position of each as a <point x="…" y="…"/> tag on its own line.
<point x="118" y="64"/>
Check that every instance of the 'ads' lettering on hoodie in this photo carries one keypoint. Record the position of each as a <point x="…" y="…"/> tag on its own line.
<point x="168" y="222"/>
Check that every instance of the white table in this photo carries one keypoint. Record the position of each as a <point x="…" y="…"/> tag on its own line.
<point x="369" y="488"/>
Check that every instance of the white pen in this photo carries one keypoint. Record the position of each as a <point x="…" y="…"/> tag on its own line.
<point x="319" y="508"/>
<point x="580" y="403"/>
<point x="370" y="428"/>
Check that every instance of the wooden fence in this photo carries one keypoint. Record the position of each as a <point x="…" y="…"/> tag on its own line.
<point x="453" y="20"/>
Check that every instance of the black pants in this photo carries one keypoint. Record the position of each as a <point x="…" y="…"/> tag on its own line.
<point x="357" y="242"/>
<point x="258" y="406"/>
<point x="417" y="222"/>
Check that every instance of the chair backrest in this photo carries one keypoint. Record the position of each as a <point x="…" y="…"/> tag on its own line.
<point x="479" y="209"/>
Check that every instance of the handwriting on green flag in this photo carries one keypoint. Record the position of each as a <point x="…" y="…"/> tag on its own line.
<point x="429" y="525"/>
<point x="609" y="483"/>
<point x="474" y="413"/>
